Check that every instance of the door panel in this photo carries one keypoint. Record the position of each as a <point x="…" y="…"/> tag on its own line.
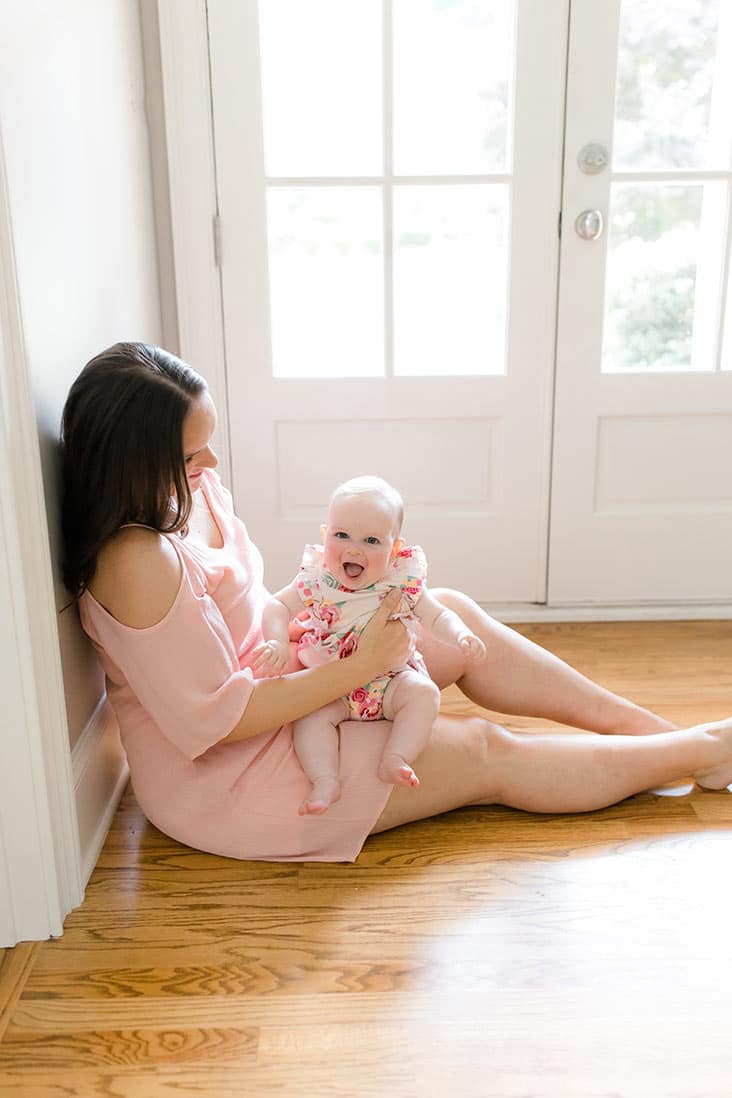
<point x="641" y="490"/>
<point x="389" y="301"/>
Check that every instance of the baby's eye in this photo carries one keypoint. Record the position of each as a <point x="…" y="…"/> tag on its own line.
<point x="372" y="541"/>
<point x="340" y="534"/>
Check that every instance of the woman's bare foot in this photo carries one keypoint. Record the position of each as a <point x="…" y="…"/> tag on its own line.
<point x="719" y="774"/>
<point x="395" y="770"/>
<point x="326" y="791"/>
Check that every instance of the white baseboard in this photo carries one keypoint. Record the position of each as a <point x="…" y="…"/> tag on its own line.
<point x="671" y="611"/>
<point x="100" y="775"/>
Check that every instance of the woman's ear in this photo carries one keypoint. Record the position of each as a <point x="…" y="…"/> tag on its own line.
<point x="397" y="547"/>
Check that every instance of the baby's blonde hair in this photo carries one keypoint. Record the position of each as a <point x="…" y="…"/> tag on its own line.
<point x="375" y="487"/>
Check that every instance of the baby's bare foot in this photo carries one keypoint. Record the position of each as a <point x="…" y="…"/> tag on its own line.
<point x="395" y="770"/>
<point x="325" y="792"/>
<point x="719" y="774"/>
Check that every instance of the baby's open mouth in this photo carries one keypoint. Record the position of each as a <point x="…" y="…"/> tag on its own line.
<point x="352" y="570"/>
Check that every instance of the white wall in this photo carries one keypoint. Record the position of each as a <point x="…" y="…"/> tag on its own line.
<point x="78" y="166"/>
<point x="79" y="212"/>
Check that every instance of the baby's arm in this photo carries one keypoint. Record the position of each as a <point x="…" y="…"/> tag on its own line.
<point x="447" y="626"/>
<point x="272" y="657"/>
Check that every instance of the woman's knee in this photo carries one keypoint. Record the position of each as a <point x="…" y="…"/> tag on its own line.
<point x="461" y="765"/>
<point x="484" y="748"/>
<point x="458" y="601"/>
<point x="485" y="739"/>
<point x="482" y="624"/>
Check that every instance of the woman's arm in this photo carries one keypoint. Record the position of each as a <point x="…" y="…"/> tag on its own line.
<point x="138" y="579"/>
<point x="382" y="645"/>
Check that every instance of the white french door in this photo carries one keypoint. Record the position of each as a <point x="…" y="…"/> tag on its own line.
<point x="642" y="478"/>
<point x="389" y="178"/>
<point x="389" y="269"/>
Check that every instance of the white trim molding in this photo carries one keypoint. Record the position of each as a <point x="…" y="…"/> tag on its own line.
<point x="636" y="611"/>
<point x="39" y="838"/>
<point x="100" y="775"/>
<point x="186" y="84"/>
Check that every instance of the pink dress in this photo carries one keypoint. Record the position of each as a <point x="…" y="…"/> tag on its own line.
<point x="180" y="686"/>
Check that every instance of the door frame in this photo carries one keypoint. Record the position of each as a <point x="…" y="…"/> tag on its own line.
<point x="41" y="871"/>
<point x="197" y="242"/>
<point x="189" y="139"/>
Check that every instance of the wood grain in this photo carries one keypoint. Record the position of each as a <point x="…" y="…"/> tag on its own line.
<point x="15" y="968"/>
<point x="484" y="953"/>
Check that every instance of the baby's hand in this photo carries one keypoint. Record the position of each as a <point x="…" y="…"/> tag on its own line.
<point x="271" y="658"/>
<point x="471" y="646"/>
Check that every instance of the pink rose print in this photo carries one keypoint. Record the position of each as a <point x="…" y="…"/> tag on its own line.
<point x="359" y="696"/>
<point x="406" y="553"/>
<point x="347" y="645"/>
<point x="414" y="590"/>
<point x="329" y="613"/>
<point x="369" y="711"/>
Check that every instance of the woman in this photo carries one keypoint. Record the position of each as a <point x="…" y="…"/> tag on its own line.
<point x="170" y="592"/>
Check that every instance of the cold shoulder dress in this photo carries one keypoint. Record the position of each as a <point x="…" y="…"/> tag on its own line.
<point x="180" y="686"/>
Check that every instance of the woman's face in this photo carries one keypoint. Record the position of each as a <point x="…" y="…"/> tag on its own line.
<point x="198" y="428"/>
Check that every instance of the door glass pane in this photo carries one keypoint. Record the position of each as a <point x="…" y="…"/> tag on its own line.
<point x="674" y="85"/>
<point x="321" y="87"/>
<point x="326" y="281"/>
<point x="452" y="85"/>
<point x="664" y="264"/>
<point x="450" y="279"/>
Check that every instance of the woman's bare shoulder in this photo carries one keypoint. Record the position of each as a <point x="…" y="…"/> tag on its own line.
<point x="137" y="577"/>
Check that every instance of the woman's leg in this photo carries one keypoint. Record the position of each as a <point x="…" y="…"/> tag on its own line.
<point x="519" y="677"/>
<point x="471" y="761"/>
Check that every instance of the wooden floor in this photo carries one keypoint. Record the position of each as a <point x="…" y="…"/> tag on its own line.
<point x="485" y="953"/>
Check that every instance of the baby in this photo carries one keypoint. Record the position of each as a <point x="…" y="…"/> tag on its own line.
<point x="340" y="585"/>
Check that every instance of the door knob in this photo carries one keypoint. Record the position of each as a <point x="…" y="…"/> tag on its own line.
<point x="589" y="224"/>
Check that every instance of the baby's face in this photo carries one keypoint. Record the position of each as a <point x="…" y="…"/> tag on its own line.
<point x="359" y="540"/>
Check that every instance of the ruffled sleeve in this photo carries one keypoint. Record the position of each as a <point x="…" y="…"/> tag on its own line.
<point x="409" y="573"/>
<point x="184" y="670"/>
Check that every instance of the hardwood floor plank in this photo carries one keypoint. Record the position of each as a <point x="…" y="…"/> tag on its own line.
<point x="629" y="996"/>
<point x="16" y="965"/>
<point x="386" y="1079"/>
<point x="123" y="1049"/>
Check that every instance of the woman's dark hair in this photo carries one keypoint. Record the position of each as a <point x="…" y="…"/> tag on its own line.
<point x="122" y="451"/>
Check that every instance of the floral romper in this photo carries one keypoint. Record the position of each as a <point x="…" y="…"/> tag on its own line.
<point x="337" y="616"/>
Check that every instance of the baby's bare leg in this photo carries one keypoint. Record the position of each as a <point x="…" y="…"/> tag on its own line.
<point x="315" y="738"/>
<point x="411" y="701"/>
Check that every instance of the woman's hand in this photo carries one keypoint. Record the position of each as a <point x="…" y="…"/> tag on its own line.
<point x="384" y="645"/>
